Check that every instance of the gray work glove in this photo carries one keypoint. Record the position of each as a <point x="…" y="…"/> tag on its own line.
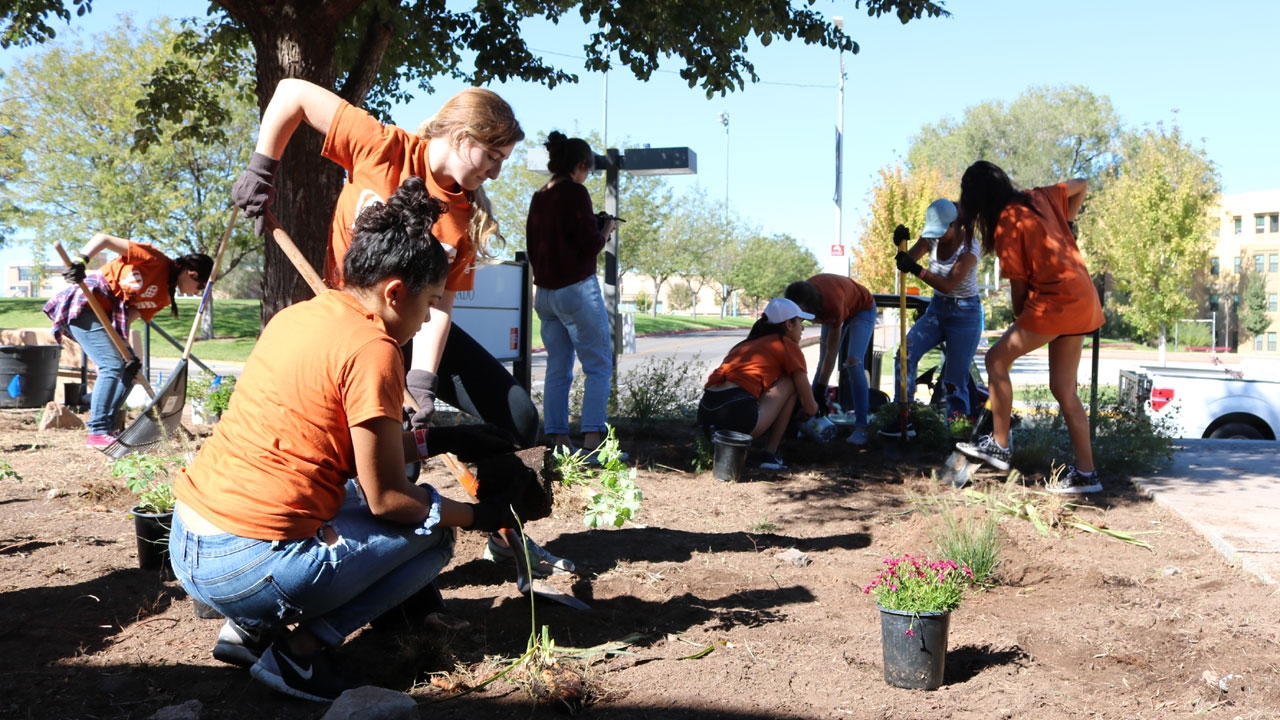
<point x="422" y="385"/>
<point x="255" y="189"/>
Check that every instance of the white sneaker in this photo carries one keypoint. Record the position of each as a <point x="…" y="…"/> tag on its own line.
<point x="542" y="563"/>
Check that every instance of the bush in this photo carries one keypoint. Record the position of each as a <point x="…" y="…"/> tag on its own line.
<point x="643" y="302"/>
<point x="664" y="389"/>
<point x="931" y="429"/>
<point x="213" y="392"/>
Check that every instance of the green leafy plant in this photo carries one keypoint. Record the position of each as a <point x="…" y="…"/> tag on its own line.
<point x="147" y="475"/>
<point x="7" y="472"/>
<point x="212" y="392"/>
<point x="917" y="585"/>
<point x="704" y="454"/>
<point x="608" y="485"/>
<point x="960" y="425"/>
<point x="931" y="429"/>
<point x="971" y="540"/>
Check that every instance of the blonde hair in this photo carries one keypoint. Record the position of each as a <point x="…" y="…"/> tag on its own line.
<point x="487" y="119"/>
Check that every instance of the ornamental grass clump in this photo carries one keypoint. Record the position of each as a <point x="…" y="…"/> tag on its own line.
<point x="919" y="585"/>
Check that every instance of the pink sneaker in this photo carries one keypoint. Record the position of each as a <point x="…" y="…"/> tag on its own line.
<point x="99" y="441"/>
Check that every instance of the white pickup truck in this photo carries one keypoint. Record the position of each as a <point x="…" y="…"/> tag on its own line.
<point x="1208" y="402"/>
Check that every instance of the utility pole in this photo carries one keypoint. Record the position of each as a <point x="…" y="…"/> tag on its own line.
<point x="724" y="120"/>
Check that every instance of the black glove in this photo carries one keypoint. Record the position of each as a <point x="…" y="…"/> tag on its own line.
<point x="907" y="265"/>
<point x="75" y="271"/>
<point x="900" y="235"/>
<point x="507" y="480"/>
<point x="131" y="369"/>
<point x="491" y="517"/>
<point x="471" y="443"/>
<point x="255" y="189"/>
<point x="820" y="397"/>
<point x="422" y="385"/>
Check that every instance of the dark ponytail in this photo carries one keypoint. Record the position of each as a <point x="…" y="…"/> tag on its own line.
<point x="564" y="153"/>
<point x="201" y="263"/>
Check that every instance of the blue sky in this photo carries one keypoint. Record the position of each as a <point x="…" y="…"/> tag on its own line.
<point x="1207" y="65"/>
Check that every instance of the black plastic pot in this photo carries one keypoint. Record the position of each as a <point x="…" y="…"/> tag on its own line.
<point x="915" y="648"/>
<point x="152" y="530"/>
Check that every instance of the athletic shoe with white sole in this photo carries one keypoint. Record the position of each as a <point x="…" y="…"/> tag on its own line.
<point x="310" y="678"/>
<point x="772" y="461"/>
<point x="240" y="646"/>
<point x="1074" y="482"/>
<point x="543" y="563"/>
<point x="988" y="451"/>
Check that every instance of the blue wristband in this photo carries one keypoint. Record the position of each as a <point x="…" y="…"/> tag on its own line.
<point x="433" y="517"/>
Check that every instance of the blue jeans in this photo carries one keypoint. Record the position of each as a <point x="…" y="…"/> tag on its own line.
<point x="574" y="320"/>
<point x="955" y="323"/>
<point x="855" y="338"/>
<point x="331" y="590"/>
<point x="110" y="388"/>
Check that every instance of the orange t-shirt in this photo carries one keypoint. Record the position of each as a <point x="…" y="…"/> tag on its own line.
<point x="755" y="365"/>
<point x="378" y="158"/>
<point x="276" y="465"/>
<point x="841" y="298"/>
<point x="1037" y="246"/>
<point x="140" y="279"/>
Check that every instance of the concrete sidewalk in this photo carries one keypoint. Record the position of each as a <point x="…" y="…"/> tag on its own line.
<point x="1229" y="491"/>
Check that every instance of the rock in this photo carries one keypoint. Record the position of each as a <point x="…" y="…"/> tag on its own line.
<point x="372" y="703"/>
<point x="793" y="556"/>
<point x="54" y="493"/>
<point x="1171" y="570"/>
<point x="57" y="416"/>
<point x="189" y="710"/>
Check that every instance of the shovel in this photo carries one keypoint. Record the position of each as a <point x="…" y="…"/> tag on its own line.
<point x="958" y="469"/>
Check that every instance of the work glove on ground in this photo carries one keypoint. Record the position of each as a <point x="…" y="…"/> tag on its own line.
<point x="900" y="235"/>
<point x="471" y="443"/>
<point x="255" y="189"/>
<point x="820" y="397"/>
<point x="75" y="271"/>
<point x="907" y="264"/>
<point x="422" y="385"/>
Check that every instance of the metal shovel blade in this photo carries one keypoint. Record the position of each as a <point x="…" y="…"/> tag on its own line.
<point x="524" y="582"/>
<point x="958" y="469"/>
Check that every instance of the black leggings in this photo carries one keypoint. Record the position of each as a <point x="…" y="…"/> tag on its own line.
<point x="473" y="381"/>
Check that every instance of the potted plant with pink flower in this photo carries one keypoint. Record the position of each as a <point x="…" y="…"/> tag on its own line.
<point x="915" y="596"/>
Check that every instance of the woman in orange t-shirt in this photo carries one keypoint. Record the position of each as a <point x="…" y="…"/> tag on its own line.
<point x="756" y="388"/>
<point x="1054" y="303"/>
<point x="138" y="284"/>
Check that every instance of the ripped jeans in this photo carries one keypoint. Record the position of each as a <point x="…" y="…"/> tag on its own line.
<point x="956" y="324"/>
<point x="355" y="568"/>
<point x="855" y="338"/>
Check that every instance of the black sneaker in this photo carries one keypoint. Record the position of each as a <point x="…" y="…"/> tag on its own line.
<point x="313" y="678"/>
<point x="894" y="429"/>
<point x="1074" y="482"/>
<point x="240" y="646"/>
<point x="772" y="462"/>
<point x="988" y="451"/>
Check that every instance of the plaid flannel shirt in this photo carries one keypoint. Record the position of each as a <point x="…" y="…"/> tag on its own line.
<point x="68" y="304"/>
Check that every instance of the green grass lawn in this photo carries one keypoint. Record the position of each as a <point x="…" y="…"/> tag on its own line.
<point x="236" y="324"/>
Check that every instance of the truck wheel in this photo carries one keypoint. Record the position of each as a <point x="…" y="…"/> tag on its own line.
<point x="1236" y="431"/>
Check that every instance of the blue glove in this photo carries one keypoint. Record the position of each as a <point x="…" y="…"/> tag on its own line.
<point x="820" y="397"/>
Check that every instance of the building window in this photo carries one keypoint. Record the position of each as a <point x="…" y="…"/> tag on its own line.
<point x="1239" y="225"/>
<point x="1213" y="266"/>
<point x="1271" y="302"/>
<point x="1259" y="223"/>
<point x="1257" y="341"/>
<point x="1236" y="265"/>
<point x="1257" y="263"/>
<point x="1273" y="262"/>
<point x="1213" y="302"/>
<point x="1275" y="222"/>
<point x="1235" y="299"/>
<point x="1271" y="341"/>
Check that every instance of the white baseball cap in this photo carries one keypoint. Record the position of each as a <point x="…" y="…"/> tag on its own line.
<point x="780" y="310"/>
<point x="938" y="218"/>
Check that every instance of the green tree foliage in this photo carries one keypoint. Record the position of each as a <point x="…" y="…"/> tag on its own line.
<point x="1149" y="226"/>
<point x="71" y="169"/>
<point x="697" y="231"/>
<point x="1253" y="306"/>
<point x="1044" y="136"/>
<point x="898" y="197"/>
<point x="376" y="52"/>
<point x="768" y="264"/>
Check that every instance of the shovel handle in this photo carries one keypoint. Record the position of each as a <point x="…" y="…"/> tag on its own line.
<point x="125" y="352"/>
<point x="291" y="251"/>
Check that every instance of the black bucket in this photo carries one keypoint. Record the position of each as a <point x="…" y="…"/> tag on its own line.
<point x="915" y="648"/>
<point x="731" y="454"/>
<point x="152" y="530"/>
<point x="28" y="375"/>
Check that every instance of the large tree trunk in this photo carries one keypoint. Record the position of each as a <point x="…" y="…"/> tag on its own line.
<point x="297" y="40"/>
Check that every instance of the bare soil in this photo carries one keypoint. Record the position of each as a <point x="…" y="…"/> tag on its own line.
<point x="1080" y="624"/>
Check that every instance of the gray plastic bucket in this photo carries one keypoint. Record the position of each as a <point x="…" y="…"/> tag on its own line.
<point x="28" y="375"/>
<point x="731" y="454"/>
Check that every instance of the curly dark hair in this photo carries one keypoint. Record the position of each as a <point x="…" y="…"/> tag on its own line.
<point x="393" y="239"/>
